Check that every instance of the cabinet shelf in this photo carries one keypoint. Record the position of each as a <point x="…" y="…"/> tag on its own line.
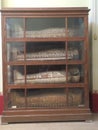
<point x="45" y="39"/>
<point x="50" y="62"/>
<point x="35" y="86"/>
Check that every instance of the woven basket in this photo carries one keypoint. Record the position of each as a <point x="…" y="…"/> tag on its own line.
<point x="45" y="99"/>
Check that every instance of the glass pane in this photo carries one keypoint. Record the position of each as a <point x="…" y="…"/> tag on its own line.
<point x="45" y="74"/>
<point x="16" y="75"/>
<point x="45" y="27"/>
<point x="45" y="51"/>
<point x="76" y="73"/>
<point x="15" y="51"/>
<point x="46" y="98"/>
<point x="75" y="50"/>
<point x="15" y="27"/>
<point x="76" y="97"/>
<point x="16" y="99"/>
<point x="76" y="27"/>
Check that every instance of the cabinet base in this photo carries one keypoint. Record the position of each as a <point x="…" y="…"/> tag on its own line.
<point x="44" y="117"/>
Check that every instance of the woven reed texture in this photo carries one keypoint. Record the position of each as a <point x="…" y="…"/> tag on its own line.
<point x="46" y="99"/>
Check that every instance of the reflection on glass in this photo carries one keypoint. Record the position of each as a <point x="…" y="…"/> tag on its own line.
<point x="75" y="50"/>
<point x="45" y="51"/>
<point x="15" y="27"/>
<point x="16" y="75"/>
<point x="46" y="98"/>
<point x="16" y="99"/>
<point x="45" y="27"/>
<point x="15" y="51"/>
<point x="76" y="73"/>
<point x="76" y="97"/>
<point x="45" y="74"/>
<point x="76" y="27"/>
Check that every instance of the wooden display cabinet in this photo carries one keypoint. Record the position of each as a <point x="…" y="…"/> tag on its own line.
<point x="45" y="64"/>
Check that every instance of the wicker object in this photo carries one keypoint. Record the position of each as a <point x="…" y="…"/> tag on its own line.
<point x="44" y="33"/>
<point x="45" y="98"/>
<point x="46" y="53"/>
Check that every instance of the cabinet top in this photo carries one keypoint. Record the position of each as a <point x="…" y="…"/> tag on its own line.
<point x="73" y="10"/>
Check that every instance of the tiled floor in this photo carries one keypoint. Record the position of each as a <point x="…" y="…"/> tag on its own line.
<point x="91" y="125"/>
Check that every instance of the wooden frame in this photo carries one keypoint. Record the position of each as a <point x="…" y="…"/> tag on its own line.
<point x="30" y="114"/>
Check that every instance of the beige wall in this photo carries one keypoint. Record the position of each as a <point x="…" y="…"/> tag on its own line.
<point x="44" y="3"/>
<point x="94" y="22"/>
